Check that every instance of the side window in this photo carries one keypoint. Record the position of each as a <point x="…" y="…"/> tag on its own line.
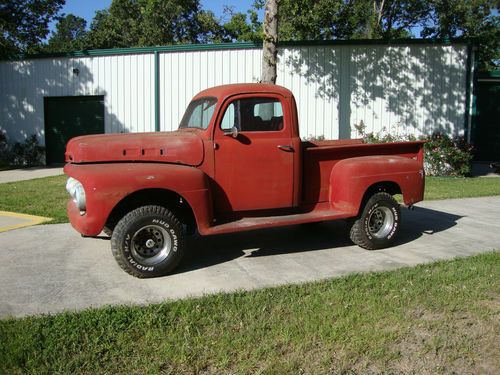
<point x="255" y="114"/>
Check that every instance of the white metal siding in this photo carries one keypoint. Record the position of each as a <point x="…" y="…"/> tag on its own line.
<point x="413" y="89"/>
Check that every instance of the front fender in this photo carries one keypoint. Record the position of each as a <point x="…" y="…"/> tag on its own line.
<point x="351" y="178"/>
<point x="107" y="184"/>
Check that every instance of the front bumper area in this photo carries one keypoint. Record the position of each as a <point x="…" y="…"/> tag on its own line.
<point x="84" y="224"/>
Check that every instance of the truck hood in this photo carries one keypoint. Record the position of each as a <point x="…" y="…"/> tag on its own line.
<point x="168" y="147"/>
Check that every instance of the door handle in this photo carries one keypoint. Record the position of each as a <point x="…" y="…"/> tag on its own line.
<point x="286" y="148"/>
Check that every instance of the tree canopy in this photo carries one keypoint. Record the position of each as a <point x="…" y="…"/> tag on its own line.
<point x="69" y="35"/>
<point x="24" y="24"/>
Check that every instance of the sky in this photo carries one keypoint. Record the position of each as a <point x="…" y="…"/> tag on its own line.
<point x="87" y="8"/>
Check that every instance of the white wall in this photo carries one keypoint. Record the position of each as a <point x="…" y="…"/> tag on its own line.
<point x="405" y="89"/>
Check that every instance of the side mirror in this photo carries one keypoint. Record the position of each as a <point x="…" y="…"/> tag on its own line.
<point x="233" y="132"/>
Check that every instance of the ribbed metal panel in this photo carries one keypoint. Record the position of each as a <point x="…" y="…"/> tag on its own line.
<point x="125" y="81"/>
<point x="184" y="74"/>
<point x="414" y="89"/>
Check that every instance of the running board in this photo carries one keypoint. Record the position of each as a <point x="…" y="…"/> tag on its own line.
<point x="252" y="223"/>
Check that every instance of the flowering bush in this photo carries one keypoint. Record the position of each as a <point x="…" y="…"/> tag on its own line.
<point x="444" y="156"/>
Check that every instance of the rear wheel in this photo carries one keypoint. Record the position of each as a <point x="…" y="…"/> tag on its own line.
<point x="148" y="242"/>
<point x="378" y="224"/>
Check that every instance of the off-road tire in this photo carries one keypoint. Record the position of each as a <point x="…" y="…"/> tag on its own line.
<point x="141" y="233"/>
<point x="378" y="224"/>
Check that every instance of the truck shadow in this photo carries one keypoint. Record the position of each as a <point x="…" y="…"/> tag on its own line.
<point x="209" y="251"/>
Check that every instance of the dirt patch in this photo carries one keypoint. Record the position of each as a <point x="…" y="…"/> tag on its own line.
<point x="460" y="343"/>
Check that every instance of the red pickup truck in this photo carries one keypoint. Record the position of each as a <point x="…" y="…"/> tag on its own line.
<point x="236" y="163"/>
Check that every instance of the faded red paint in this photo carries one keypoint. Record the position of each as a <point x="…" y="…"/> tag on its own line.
<point x="243" y="183"/>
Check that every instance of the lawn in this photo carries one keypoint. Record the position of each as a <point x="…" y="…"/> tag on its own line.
<point x="48" y="196"/>
<point x="436" y="318"/>
<point x="42" y="196"/>
<point x="455" y="187"/>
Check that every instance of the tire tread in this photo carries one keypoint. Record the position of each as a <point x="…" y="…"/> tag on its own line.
<point x="120" y="231"/>
<point x="357" y="233"/>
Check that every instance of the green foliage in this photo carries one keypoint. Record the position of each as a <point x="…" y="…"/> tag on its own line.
<point x="4" y="150"/>
<point x="118" y="26"/>
<point x="338" y="19"/>
<point x="444" y="156"/>
<point x="239" y="29"/>
<point x="24" y="24"/>
<point x="138" y="23"/>
<point x="69" y="36"/>
<point x="434" y="318"/>
<point x="26" y="154"/>
<point x="467" y="18"/>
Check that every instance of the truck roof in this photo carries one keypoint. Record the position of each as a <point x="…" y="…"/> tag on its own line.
<point x="223" y="91"/>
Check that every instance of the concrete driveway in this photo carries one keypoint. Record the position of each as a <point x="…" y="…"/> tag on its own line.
<point x="50" y="268"/>
<point x="13" y="175"/>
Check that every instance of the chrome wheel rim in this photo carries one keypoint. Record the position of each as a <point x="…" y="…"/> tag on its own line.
<point x="150" y="245"/>
<point x="380" y="222"/>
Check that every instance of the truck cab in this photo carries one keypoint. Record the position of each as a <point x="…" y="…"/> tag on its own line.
<point x="236" y="163"/>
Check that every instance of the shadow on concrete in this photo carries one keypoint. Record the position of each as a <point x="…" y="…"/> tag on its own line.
<point x="209" y="251"/>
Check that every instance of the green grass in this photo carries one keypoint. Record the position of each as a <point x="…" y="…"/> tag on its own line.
<point x="455" y="187"/>
<point x="42" y="196"/>
<point x="48" y="196"/>
<point x="437" y="318"/>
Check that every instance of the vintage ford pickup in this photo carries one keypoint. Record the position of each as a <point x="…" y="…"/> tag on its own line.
<point x="236" y="163"/>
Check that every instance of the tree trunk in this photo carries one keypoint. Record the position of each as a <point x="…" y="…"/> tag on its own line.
<point x="270" y="50"/>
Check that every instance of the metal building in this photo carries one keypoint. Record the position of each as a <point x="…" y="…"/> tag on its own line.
<point x="402" y="87"/>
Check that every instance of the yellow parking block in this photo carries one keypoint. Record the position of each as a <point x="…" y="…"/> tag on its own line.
<point x="13" y="220"/>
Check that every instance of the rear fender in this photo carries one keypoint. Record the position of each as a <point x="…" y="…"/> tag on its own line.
<point x="351" y="178"/>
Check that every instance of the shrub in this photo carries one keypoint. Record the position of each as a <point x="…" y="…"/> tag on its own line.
<point x="4" y="150"/>
<point x="314" y="138"/>
<point x="27" y="154"/>
<point x="443" y="156"/>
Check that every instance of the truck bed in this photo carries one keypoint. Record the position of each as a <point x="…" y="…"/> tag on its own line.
<point x="319" y="157"/>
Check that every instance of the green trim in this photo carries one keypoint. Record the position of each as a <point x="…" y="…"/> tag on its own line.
<point x="490" y="74"/>
<point x="468" y="80"/>
<point x="157" y="91"/>
<point x="244" y="45"/>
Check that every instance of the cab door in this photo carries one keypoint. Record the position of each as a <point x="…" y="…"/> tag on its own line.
<point x="253" y="155"/>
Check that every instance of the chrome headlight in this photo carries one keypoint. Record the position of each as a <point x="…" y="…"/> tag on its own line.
<point x="75" y="189"/>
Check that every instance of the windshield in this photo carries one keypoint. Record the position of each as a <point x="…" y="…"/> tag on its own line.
<point x="199" y="113"/>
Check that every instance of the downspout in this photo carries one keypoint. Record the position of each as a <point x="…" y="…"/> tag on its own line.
<point x="157" y="90"/>
<point x="470" y="100"/>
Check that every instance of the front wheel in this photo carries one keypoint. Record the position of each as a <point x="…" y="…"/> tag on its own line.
<point x="378" y="224"/>
<point x="148" y="242"/>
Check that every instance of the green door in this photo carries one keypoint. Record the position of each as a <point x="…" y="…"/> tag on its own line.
<point x="67" y="117"/>
<point x="486" y="122"/>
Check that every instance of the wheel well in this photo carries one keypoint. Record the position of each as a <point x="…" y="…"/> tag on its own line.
<point x="161" y="197"/>
<point x="389" y="187"/>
